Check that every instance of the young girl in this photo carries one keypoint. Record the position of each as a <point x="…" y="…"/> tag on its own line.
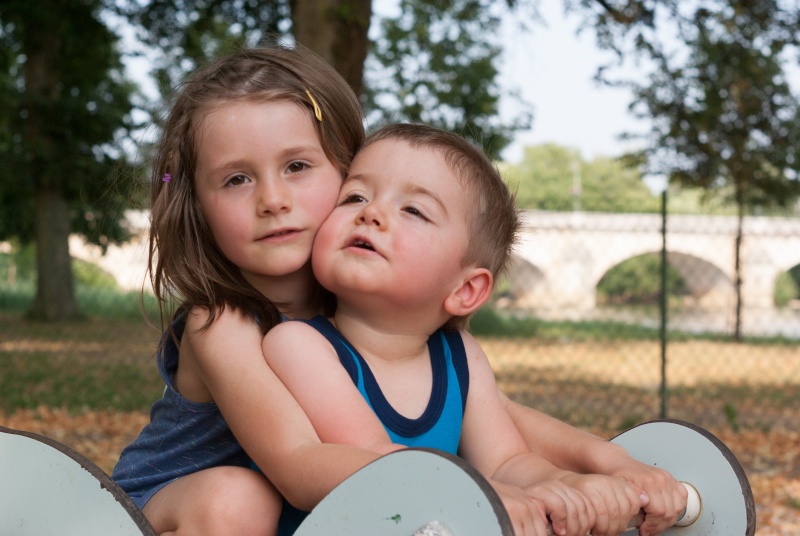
<point x="249" y="165"/>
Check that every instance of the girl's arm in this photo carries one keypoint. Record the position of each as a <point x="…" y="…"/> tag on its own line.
<point x="579" y="451"/>
<point x="265" y="418"/>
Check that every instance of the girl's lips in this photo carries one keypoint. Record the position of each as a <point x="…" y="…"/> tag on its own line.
<point x="280" y="234"/>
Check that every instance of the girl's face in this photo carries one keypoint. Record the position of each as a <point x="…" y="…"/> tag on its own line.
<point x="265" y="186"/>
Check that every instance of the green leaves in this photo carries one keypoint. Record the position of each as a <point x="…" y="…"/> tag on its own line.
<point x="551" y="177"/>
<point x="435" y="64"/>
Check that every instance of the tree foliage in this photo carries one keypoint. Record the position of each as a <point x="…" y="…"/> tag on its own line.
<point x="181" y="35"/>
<point x="65" y="107"/>
<point x="717" y="94"/>
<point x="435" y="63"/>
<point x="551" y="177"/>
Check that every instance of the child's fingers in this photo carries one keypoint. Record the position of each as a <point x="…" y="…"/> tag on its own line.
<point x="568" y="510"/>
<point x="527" y="514"/>
<point x="622" y="504"/>
<point x="667" y="501"/>
<point x="666" y="497"/>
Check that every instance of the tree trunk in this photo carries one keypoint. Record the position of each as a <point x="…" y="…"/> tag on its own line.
<point x="55" y="294"/>
<point x="55" y="291"/>
<point x="337" y="30"/>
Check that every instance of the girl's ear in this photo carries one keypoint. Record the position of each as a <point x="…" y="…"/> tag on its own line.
<point x="473" y="292"/>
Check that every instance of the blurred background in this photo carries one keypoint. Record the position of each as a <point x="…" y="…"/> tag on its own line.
<point x="653" y="145"/>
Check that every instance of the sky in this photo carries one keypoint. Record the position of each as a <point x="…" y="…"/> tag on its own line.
<point x="552" y="67"/>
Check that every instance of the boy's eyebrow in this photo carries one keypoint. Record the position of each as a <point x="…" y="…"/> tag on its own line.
<point x="415" y="189"/>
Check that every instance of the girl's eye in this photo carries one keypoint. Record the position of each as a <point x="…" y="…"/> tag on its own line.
<point x="237" y="180"/>
<point x="297" y="167"/>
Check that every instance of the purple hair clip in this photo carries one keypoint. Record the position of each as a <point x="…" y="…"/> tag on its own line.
<point x="167" y="177"/>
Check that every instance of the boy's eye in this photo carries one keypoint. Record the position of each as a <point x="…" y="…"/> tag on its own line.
<point x="353" y="198"/>
<point x="237" y="180"/>
<point x="415" y="212"/>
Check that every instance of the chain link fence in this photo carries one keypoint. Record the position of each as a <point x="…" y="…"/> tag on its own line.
<point x="589" y="339"/>
<point x="577" y="329"/>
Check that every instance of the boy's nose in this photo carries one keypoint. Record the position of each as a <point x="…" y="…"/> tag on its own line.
<point x="371" y="215"/>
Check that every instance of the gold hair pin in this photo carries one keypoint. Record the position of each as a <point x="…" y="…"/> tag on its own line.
<point x="317" y="110"/>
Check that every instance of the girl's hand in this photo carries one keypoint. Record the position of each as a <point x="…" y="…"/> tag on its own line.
<point x="527" y="514"/>
<point x="569" y="511"/>
<point x="614" y="501"/>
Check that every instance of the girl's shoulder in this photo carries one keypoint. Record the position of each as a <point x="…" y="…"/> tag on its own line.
<point x="207" y="325"/>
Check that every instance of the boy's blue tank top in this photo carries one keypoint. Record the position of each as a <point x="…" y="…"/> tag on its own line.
<point x="438" y="427"/>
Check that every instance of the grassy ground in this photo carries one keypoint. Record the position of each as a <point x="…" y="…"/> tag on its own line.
<point x="90" y="384"/>
<point x="98" y="364"/>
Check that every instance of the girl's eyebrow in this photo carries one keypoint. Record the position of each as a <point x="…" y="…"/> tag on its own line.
<point x="288" y="153"/>
<point x="226" y="167"/>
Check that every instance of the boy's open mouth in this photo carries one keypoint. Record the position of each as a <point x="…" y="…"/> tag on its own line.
<point x="362" y="244"/>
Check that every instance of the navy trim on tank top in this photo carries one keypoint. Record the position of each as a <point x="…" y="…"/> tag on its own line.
<point x="459" y="355"/>
<point x="393" y="420"/>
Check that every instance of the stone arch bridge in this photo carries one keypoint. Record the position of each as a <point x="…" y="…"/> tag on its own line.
<point x="562" y="256"/>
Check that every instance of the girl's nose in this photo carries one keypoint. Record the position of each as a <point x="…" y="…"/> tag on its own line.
<point x="275" y="197"/>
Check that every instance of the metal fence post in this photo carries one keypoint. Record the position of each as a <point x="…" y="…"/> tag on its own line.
<point x="663" y="330"/>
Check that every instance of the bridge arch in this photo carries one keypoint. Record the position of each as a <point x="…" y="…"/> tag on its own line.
<point x="572" y="251"/>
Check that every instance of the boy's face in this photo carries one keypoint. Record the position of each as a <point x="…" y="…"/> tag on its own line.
<point x="399" y="231"/>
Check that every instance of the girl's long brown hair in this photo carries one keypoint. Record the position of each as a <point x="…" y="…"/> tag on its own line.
<point x="186" y="267"/>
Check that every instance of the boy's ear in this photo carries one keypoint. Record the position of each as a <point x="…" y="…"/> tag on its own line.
<point x="473" y="292"/>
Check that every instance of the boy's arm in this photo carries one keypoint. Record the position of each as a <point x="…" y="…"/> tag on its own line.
<point x="308" y="365"/>
<point x="265" y="418"/>
<point x="491" y="443"/>
<point x="582" y="452"/>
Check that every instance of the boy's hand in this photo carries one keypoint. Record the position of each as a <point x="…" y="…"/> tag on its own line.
<point x="569" y="511"/>
<point x="615" y="501"/>
<point x="527" y="514"/>
<point x="666" y="496"/>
